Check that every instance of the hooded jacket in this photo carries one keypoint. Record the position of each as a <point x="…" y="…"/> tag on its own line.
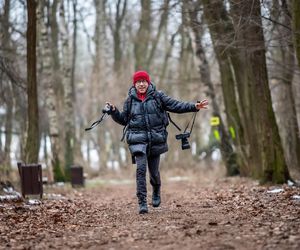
<point x="147" y="120"/>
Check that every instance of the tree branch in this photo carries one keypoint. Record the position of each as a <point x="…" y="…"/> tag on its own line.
<point x="273" y="21"/>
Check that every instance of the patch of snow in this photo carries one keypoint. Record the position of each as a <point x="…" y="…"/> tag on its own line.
<point x="60" y="184"/>
<point x="54" y="196"/>
<point x="178" y="178"/>
<point x="275" y="191"/>
<point x="34" y="202"/>
<point x="296" y="197"/>
<point x="9" y="197"/>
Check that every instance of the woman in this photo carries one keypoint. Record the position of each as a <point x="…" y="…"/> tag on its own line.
<point x="144" y="114"/>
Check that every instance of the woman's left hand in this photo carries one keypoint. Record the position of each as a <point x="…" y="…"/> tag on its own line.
<point x="201" y="105"/>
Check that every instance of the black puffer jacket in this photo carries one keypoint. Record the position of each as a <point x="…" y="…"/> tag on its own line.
<point x="147" y="120"/>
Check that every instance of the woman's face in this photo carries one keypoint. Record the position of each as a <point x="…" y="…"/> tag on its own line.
<point x="141" y="86"/>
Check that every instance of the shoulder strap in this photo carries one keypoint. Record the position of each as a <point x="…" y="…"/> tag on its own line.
<point x="129" y="105"/>
<point x="160" y="105"/>
<point x="158" y="100"/>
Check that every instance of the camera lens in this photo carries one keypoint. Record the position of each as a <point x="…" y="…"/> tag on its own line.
<point x="107" y="109"/>
<point x="185" y="144"/>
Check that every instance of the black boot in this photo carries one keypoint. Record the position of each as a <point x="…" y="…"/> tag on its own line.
<point x="143" y="206"/>
<point x="156" y="197"/>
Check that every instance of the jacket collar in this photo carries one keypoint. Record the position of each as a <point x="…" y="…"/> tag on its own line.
<point x="150" y="91"/>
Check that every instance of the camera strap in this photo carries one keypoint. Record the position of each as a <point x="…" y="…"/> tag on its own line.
<point x="169" y="116"/>
<point x="94" y="124"/>
<point x="192" y="120"/>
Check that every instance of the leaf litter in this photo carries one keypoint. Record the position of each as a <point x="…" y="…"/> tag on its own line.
<point x="231" y="213"/>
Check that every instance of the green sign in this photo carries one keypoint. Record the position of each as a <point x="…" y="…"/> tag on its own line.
<point x="217" y="135"/>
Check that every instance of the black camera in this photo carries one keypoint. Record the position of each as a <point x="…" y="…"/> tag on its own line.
<point x="184" y="140"/>
<point x="107" y="109"/>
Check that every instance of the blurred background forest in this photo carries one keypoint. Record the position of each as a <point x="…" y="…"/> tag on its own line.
<point x="60" y="60"/>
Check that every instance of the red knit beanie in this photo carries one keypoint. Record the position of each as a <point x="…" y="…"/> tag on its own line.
<point x="140" y="75"/>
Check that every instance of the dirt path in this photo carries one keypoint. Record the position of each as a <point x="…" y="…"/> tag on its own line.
<point x="231" y="214"/>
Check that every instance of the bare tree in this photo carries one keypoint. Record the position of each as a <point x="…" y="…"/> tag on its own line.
<point x="282" y="68"/>
<point x="145" y="43"/>
<point x="13" y="87"/>
<point x="142" y="39"/>
<point x="162" y="23"/>
<point x="228" y="154"/>
<point x="97" y="90"/>
<point x="74" y="49"/>
<point x="7" y="88"/>
<point x="296" y="27"/>
<point x="50" y="97"/>
<point x="116" y="29"/>
<point x="167" y="55"/>
<point x="32" y="143"/>
<point x="270" y="163"/>
<point x="68" y="94"/>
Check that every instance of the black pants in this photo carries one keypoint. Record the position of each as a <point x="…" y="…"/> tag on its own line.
<point x="153" y="166"/>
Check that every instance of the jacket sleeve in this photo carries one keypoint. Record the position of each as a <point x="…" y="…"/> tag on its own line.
<point x="121" y="117"/>
<point x="172" y="105"/>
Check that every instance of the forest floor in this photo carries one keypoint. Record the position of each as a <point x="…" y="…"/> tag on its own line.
<point x="196" y="213"/>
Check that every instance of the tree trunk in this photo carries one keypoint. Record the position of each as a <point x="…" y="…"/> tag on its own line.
<point x="217" y="19"/>
<point x="273" y="167"/>
<point x="162" y="24"/>
<point x="77" y="139"/>
<point x="32" y="143"/>
<point x="117" y="36"/>
<point x="55" y="171"/>
<point x="68" y="96"/>
<point x="296" y="27"/>
<point x="56" y="66"/>
<point x="74" y="49"/>
<point x="184" y="68"/>
<point x="167" y="57"/>
<point x="228" y="154"/>
<point x="57" y="77"/>
<point x="97" y="91"/>
<point x="237" y="52"/>
<point x="8" y="97"/>
<point x="281" y="72"/>
<point x="141" y="43"/>
<point x="8" y="127"/>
